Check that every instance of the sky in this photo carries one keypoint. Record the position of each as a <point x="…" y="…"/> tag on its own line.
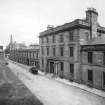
<point x="25" y="19"/>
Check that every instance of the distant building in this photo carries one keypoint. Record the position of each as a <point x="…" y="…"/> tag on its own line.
<point x="15" y="45"/>
<point x="26" y="55"/>
<point x="1" y="52"/>
<point x="8" y="47"/>
<point x="1" y="48"/>
<point x="75" y="50"/>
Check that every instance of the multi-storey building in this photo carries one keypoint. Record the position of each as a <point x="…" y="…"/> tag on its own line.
<point x="93" y="62"/>
<point x="28" y="55"/>
<point x="74" y="50"/>
<point x="25" y="56"/>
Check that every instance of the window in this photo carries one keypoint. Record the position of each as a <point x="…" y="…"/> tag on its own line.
<point x="71" y="51"/>
<point x="42" y="40"/>
<point x="53" y="39"/>
<point x="47" y="40"/>
<point x="103" y="58"/>
<point x="30" y="54"/>
<point x="62" y="66"/>
<point x="90" y="56"/>
<point x="61" y="38"/>
<point x="37" y="55"/>
<point x="87" y="35"/>
<point x="33" y="54"/>
<point x="71" y="36"/>
<point x="42" y="62"/>
<point x="27" y="53"/>
<point x="61" y="51"/>
<point x="54" y="51"/>
<point x="90" y="76"/>
<point x="42" y="51"/>
<point x="104" y="78"/>
<point x="47" y="51"/>
<point x="72" y="68"/>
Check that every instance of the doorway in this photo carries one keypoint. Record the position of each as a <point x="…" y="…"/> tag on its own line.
<point x="27" y="61"/>
<point x="90" y="77"/>
<point x="51" y="67"/>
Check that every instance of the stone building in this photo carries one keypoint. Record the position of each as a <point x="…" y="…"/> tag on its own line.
<point x="93" y="63"/>
<point x="75" y="50"/>
<point x="28" y="55"/>
<point x="25" y="56"/>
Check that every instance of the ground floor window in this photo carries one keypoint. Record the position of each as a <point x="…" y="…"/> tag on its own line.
<point x="62" y="66"/>
<point x="104" y="78"/>
<point x="90" y="76"/>
<point x="72" y="68"/>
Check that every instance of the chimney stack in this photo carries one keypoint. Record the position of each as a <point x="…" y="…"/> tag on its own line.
<point x="92" y="18"/>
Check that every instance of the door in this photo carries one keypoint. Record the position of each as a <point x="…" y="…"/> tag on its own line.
<point x="56" y="68"/>
<point x="90" y="77"/>
<point x="51" y="67"/>
<point x="61" y="69"/>
<point x="27" y="61"/>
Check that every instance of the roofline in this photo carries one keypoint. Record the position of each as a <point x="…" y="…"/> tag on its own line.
<point x="25" y="49"/>
<point x="78" y="23"/>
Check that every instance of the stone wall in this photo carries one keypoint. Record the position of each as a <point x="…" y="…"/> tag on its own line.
<point x="97" y="67"/>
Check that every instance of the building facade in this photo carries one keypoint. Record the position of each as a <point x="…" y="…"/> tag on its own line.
<point x="25" y="56"/>
<point x="28" y="55"/>
<point x="64" y="51"/>
<point x="93" y="64"/>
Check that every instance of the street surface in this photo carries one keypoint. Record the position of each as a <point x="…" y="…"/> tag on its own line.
<point x="12" y="90"/>
<point x="52" y="92"/>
